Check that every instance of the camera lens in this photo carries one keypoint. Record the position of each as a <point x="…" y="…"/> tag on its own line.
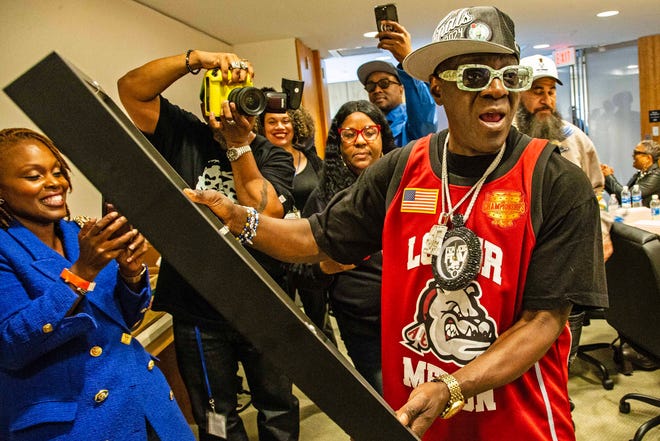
<point x="248" y="100"/>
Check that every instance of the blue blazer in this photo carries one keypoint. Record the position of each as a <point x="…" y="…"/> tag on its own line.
<point x="77" y="377"/>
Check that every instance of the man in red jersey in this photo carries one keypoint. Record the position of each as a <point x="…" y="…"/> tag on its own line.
<point x="471" y="221"/>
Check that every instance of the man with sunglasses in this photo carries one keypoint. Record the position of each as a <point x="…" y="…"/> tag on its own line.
<point x="387" y="84"/>
<point x="471" y="222"/>
<point x="645" y="159"/>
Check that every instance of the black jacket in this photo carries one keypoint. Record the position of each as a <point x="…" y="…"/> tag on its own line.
<point x="648" y="181"/>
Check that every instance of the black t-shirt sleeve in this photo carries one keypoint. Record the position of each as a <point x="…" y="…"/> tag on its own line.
<point x="567" y="262"/>
<point x="276" y="166"/>
<point x="351" y="225"/>
<point x="176" y="127"/>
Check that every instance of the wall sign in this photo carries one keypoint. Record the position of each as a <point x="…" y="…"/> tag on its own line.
<point x="564" y="57"/>
<point x="654" y="116"/>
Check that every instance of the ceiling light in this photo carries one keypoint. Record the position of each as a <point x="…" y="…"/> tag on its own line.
<point x="370" y="34"/>
<point x="541" y="46"/>
<point x="607" y="14"/>
<point x="632" y="66"/>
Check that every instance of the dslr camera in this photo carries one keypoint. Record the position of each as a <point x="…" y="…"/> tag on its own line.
<point x="249" y="100"/>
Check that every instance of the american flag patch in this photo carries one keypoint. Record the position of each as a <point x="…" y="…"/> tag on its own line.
<point x="419" y="200"/>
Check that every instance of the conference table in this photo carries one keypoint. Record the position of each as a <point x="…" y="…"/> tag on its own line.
<point x="639" y="217"/>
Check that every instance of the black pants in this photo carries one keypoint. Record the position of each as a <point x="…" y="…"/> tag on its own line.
<point x="278" y="416"/>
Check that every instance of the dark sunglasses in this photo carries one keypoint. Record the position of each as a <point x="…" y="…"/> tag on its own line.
<point x="384" y="83"/>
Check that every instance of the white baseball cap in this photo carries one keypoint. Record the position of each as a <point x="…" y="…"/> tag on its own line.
<point x="543" y="67"/>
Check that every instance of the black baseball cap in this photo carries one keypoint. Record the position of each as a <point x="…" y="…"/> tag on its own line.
<point x="479" y="29"/>
<point x="365" y="70"/>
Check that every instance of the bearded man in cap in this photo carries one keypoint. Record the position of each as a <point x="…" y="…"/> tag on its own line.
<point x="386" y="86"/>
<point x="470" y="220"/>
<point x="538" y="117"/>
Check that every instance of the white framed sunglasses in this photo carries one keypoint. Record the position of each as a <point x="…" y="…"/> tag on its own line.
<point x="477" y="77"/>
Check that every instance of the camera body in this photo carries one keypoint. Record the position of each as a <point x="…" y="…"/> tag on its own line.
<point x="249" y="100"/>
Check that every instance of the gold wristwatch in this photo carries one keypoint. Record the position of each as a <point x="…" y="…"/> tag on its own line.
<point x="456" y="400"/>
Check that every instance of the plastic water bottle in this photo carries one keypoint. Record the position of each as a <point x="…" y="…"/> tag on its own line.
<point x="625" y="197"/>
<point x="612" y="204"/>
<point x="636" y="196"/>
<point x="655" y="207"/>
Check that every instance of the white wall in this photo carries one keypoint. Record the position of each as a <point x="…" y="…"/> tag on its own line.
<point x="272" y="61"/>
<point x="104" y="39"/>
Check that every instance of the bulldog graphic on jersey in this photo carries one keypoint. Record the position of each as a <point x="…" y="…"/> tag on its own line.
<point x="452" y="324"/>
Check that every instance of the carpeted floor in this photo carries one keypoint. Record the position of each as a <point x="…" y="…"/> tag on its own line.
<point x="596" y="413"/>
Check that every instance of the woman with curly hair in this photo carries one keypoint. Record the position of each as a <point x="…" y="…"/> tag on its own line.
<point x="358" y="137"/>
<point x="294" y="132"/>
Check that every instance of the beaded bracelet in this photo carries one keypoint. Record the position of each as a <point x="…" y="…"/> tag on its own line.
<point x="195" y="71"/>
<point x="250" y="227"/>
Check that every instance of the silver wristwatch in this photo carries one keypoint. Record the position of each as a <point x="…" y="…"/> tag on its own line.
<point x="234" y="153"/>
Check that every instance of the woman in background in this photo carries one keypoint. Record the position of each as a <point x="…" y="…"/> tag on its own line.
<point x="358" y="137"/>
<point x="294" y="132"/>
<point x="69" y="367"/>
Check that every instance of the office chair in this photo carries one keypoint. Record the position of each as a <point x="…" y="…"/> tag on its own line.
<point x="583" y="350"/>
<point x="633" y="282"/>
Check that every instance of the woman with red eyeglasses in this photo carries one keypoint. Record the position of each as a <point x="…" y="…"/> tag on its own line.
<point x="358" y="137"/>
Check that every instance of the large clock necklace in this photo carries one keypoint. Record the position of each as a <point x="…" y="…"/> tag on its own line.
<point x="455" y="249"/>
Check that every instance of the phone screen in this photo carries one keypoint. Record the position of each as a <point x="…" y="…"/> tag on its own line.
<point x="385" y="12"/>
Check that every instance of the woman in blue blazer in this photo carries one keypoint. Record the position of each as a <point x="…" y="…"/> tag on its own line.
<point x="69" y="297"/>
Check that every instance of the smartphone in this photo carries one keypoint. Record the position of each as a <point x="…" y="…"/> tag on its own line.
<point x="385" y="12"/>
<point x="108" y="208"/>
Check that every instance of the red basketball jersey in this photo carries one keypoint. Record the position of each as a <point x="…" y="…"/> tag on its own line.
<point x="428" y="331"/>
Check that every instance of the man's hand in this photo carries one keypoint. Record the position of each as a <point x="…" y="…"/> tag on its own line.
<point x="332" y="267"/>
<point x="424" y="405"/>
<point x="232" y="128"/>
<point x="397" y="41"/>
<point x="606" y="169"/>
<point x="240" y="68"/>
<point x="219" y="204"/>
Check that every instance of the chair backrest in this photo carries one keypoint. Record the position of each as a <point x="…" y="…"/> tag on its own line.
<point x="633" y="283"/>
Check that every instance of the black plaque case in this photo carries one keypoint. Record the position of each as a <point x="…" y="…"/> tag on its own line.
<point x="114" y="155"/>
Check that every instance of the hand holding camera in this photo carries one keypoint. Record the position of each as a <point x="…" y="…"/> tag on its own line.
<point x="230" y="68"/>
<point x="248" y="99"/>
<point x="232" y="128"/>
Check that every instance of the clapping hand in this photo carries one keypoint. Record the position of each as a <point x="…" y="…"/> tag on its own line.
<point x="99" y="244"/>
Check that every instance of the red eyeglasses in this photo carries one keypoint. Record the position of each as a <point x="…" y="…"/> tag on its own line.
<point x="349" y="135"/>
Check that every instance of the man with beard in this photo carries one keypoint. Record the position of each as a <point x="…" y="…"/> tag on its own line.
<point x="538" y="117"/>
